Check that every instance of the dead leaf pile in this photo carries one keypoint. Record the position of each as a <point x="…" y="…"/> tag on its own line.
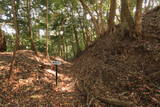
<point x="151" y="22"/>
<point x="118" y="69"/>
<point x="33" y="83"/>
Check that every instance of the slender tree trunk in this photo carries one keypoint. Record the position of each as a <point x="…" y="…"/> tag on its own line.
<point x="99" y="24"/>
<point x="65" y="51"/>
<point x="112" y="14"/>
<point x="83" y="31"/>
<point x="2" y="41"/>
<point x="74" y="53"/>
<point x="126" y="18"/>
<point x="76" y="36"/>
<point x="33" y="47"/>
<point x="46" y="53"/>
<point x="77" y="41"/>
<point x="62" y="45"/>
<point x="83" y="34"/>
<point x="16" y="39"/>
<point x="88" y="40"/>
<point x="18" y="29"/>
<point x="59" y="46"/>
<point x="60" y="50"/>
<point x="138" y="17"/>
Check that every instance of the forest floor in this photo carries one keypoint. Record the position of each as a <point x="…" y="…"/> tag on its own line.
<point x="117" y="73"/>
<point x="34" y="82"/>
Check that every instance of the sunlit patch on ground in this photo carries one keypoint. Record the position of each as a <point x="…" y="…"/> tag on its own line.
<point x="64" y="82"/>
<point x="4" y="68"/>
<point x="61" y="76"/>
<point x="37" y="96"/>
<point x="63" y="87"/>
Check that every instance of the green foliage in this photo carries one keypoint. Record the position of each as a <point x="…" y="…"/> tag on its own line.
<point x="66" y="18"/>
<point x="41" y="45"/>
<point x="10" y="42"/>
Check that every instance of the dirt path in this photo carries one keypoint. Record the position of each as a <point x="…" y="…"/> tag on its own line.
<point x="34" y="85"/>
<point x="66" y="94"/>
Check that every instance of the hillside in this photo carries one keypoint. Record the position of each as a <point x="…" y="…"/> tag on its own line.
<point x="120" y="71"/>
<point x="151" y="22"/>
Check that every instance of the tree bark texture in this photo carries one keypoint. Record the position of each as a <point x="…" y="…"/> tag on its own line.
<point x="2" y="42"/>
<point x="112" y="14"/>
<point x="126" y="18"/>
<point x="46" y="53"/>
<point x="33" y="47"/>
<point x="138" y="17"/>
<point x="16" y="39"/>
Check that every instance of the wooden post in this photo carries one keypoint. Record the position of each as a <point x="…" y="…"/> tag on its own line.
<point x="56" y="63"/>
<point x="56" y="75"/>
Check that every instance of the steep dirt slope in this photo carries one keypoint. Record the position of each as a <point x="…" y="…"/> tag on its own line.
<point x="118" y="71"/>
<point x="151" y="22"/>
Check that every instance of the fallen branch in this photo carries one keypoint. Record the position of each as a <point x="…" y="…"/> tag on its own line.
<point x="152" y="36"/>
<point x="117" y="102"/>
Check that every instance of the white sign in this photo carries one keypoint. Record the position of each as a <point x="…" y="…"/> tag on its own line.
<point x="57" y="62"/>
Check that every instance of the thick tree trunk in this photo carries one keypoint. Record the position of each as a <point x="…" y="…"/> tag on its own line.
<point x="127" y="21"/>
<point x="33" y="47"/>
<point x="2" y="42"/>
<point x="112" y="14"/>
<point x="46" y="53"/>
<point x="138" y="17"/>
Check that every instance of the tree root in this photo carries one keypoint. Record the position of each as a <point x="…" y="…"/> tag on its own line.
<point x="155" y="75"/>
<point x="117" y="102"/>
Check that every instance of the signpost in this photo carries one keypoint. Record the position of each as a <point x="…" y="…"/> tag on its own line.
<point x="56" y="63"/>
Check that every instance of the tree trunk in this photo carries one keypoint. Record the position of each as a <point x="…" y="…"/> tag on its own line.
<point x="99" y="24"/>
<point x="65" y="51"/>
<point x="138" y="17"/>
<point x="33" y="47"/>
<point x="16" y="39"/>
<point x="77" y="41"/>
<point x="83" y="30"/>
<point x="18" y="28"/>
<point x="112" y="14"/>
<point x="74" y="53"/>
<point x="127" y="21"/>
<point x="88" y="37"/>
<point x="2" y="42"/>
<point x="46" y="53"/>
